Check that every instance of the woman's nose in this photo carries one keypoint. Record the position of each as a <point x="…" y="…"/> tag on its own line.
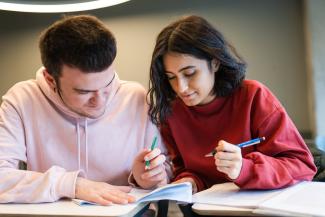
<point x="182" y="85"/>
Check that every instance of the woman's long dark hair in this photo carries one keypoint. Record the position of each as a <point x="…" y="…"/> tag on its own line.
<point x="193" y="36"/>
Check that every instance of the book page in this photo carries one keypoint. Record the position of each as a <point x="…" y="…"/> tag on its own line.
<point x="181" y="192"/>
<point x="305" y="198"/>
<point x="228" y="194"/>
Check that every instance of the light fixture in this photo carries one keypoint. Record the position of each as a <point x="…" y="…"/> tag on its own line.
<point x="56" y="6"/>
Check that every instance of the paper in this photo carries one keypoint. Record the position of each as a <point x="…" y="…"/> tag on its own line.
<point x="228" y="194"/>
<point x="305" y="198"/>
<point x="181" y="192"/>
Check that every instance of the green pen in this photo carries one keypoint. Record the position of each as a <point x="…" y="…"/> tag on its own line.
<point x="153" y="146"/>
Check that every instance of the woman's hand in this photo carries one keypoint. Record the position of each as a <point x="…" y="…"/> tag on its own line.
<point x="153" y="175"/>
<point x="228" y="159"/>
<point x="188" y="179"/>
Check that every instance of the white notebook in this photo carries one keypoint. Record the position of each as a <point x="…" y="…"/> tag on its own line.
<point x="228" y="194"/>
<point x="302" y="199"/>
<point x="181" y="192"/>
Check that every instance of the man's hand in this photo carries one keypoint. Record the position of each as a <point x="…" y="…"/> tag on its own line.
<point x="152" y="176"/>
<point x="102" y="193"/>
<point x="228" y="159"/>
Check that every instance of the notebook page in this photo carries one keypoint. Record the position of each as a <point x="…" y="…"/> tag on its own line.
<point x="228" y="194"/>
<point x="305" y="198"/>
<point x="179" y="192"/>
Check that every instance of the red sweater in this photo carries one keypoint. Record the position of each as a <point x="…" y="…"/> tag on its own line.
<point x="251" y="111"/>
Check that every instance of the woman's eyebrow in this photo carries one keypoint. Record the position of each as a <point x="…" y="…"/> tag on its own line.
<point x="182" y="69"/>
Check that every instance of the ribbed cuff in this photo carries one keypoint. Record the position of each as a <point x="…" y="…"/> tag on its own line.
<point x="131" y="181"/>
<point x="66" y="186"/>
<point x="245" y="173"/>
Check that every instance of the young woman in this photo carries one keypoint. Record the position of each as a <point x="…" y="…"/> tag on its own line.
<point x="200" y="99"/>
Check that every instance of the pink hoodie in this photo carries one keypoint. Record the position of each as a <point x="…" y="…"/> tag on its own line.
<point x="58" y="145"/>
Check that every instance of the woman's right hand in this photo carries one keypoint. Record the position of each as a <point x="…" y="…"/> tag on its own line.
<point x="102" y="193"/>
<point x="190" y="180"/>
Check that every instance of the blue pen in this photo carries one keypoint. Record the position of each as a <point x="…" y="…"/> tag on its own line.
<point x="240" y="145"/>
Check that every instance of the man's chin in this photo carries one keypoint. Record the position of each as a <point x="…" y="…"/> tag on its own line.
<point x="94" y="115"/>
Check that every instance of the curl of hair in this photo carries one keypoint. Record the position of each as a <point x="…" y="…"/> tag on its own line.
<point x="194" y="36"/>
<point x="80" y="41"/>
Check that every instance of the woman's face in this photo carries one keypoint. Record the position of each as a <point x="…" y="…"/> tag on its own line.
<point x="191" y="78"/>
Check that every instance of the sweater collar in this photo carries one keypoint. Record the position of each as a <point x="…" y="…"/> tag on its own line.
<point x="206" y="109"/>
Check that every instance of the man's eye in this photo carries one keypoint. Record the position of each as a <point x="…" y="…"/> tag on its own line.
<point x="83" y="92"/>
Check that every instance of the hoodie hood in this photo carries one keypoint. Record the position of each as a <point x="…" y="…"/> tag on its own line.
<point x="79" y="119"/>
<point x="57" y="101"/>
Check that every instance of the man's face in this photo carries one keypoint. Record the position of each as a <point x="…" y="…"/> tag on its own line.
<point x="85" y="93"/>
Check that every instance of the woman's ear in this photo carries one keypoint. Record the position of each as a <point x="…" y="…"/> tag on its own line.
<point x="50" y="80"/>
<point x="215" y="65"/>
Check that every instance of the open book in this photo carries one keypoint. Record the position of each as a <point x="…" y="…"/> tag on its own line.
<point x="181" y="192"/>
<point x="303" y="199"/>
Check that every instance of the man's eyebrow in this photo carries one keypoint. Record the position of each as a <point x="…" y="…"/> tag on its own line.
<point x="182" y="69"/>
<point x="85" y="90"/>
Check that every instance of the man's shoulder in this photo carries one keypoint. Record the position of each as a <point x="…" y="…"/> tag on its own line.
<point x="132" y="87"/>
<point x="22" y="90"/>
<point x="24" y="85"/>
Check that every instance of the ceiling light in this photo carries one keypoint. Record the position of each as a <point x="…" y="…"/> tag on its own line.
<point x="56" y="6"/>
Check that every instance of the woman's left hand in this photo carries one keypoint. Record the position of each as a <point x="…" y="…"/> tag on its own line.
<point x="228" y="159"/>
<point x="155" y="174"/>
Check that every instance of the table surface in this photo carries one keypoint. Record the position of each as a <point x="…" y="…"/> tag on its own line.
<point x="69" y="208"/>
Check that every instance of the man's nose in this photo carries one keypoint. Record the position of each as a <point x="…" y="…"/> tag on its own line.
<point x="99" y="96"/>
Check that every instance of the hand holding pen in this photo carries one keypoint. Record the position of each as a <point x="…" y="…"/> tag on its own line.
<point x="148" y="167"/>
<point x="153" y="146"/>
<point x="228" y="157"/>
<point x="240" y="145"/>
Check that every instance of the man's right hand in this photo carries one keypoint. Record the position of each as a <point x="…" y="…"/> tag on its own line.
<point x="102" y="193"/>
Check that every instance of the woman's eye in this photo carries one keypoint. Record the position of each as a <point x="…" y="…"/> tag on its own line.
<point x="170" y="76"/>
<point x="189" y="74"/>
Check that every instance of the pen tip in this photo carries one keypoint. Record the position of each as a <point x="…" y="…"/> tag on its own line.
<point x="263" y="138"/>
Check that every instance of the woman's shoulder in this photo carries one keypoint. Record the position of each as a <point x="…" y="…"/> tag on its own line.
<point x="253" y="84"/>
<point x="253" y="88"/>
<point x="257" y="92"/>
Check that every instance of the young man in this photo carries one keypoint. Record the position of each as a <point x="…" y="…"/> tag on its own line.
<point x="79" y="128"/>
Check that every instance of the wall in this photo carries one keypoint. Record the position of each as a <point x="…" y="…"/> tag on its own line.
<point x="268" y="34"/>
<point x="315" y="35"/>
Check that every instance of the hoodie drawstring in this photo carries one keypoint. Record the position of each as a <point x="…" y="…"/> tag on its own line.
<point x="86" y="143"/>
<point x="79" y="145"/>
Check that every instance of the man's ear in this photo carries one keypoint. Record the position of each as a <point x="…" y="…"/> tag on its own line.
<point x="215" y="64"/>
<point x="50" y="80"/>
